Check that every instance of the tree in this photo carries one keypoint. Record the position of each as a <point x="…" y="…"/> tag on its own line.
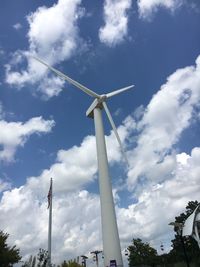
<point x="31" y="262"/>
<point x="42" y="258"/>
<point x="179" y="243"/>
<point x="141" y="253"/>
<point x="70" y="263"/>
<point x="8" y="255"/>
<point x="39" y="261"/>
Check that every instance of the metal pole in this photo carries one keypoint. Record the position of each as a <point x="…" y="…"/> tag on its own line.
<point x="84" y="258"/>
<point x="96" y="252"/>
<point x="50" y="222"/>
<point x="184" y="250"/>
<point x="110" y="235"/>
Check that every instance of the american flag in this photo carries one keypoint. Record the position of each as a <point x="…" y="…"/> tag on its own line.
<point x="49" y="196"/>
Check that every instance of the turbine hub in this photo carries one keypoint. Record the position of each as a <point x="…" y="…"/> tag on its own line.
<point x="102" y="98"/>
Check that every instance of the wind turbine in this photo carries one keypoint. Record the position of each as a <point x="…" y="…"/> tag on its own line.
<point x="110" y="235"/>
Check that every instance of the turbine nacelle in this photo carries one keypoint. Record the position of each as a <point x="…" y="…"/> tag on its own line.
<point x="97" y="103"/>
<point x="103" y="97"/>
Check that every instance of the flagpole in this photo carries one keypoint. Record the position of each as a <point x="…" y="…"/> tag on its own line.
<point x="50" y="221"/>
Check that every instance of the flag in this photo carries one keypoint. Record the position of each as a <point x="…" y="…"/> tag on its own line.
<point x="49" y="196"/>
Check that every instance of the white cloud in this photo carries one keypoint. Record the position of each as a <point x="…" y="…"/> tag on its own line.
<point x="75" y="219"/>
<point x="15" y="134"/>
<point x="76" y="212"/>
<point x="53" y="31"/>
<point x="4" y="185"/>
<point x="116" y="22"/>
<point x="166" y="180"/>
<point x="161" y="181"/>
<point x="168" y="114"/>
<point x="72" y="169"/>
<point x="76" y="215"/>
<point x="17" y="26"/>
<point x="77" y="166"/>
<point x="148" y="7"/>
<point x="158" y="204"/>
<point x="53" y="36"/>
<point x="50" y="87"/>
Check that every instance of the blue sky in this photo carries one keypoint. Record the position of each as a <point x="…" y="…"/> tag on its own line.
<point x="44" y="132"/>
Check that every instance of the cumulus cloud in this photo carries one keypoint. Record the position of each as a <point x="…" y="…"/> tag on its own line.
<point x="76" y="214"/>
<point x="168" y="114"/>
<point x="161" y="181"/>
<point x="53" y="31"/>
<point x="4" y="185"/>
<point x="15" y="134"/>
<point x="158" y="204"/>
<point x="73" y="168"/>
<point x="148" y="7"/>
<point x="77" y="166"/>
<point x="116" y="22"/>
<point x="76" y="218"/>
<point x="53" y="36"/>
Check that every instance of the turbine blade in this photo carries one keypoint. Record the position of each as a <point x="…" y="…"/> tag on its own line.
<point x="119" y="91"/>
<point x="115" y="131"/>
<point x="67" y="78"/>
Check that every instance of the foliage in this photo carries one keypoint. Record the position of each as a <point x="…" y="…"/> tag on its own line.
<point x="191" y="246"/>
<point x="141" y="253"/>
<point x="70" y="264"/>
<point x="31" y="262"/>
<point x="8" y="255"/>
<point x="41" y="260"/>
<point x="184" y="249"/>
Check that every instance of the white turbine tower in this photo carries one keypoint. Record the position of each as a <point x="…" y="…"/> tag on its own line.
<point x="110" y="235"/>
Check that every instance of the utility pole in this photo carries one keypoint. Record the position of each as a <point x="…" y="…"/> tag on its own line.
<point x="84" y="258"/>
<point x="96" y="252"/>
<point x="162" y="257"/>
